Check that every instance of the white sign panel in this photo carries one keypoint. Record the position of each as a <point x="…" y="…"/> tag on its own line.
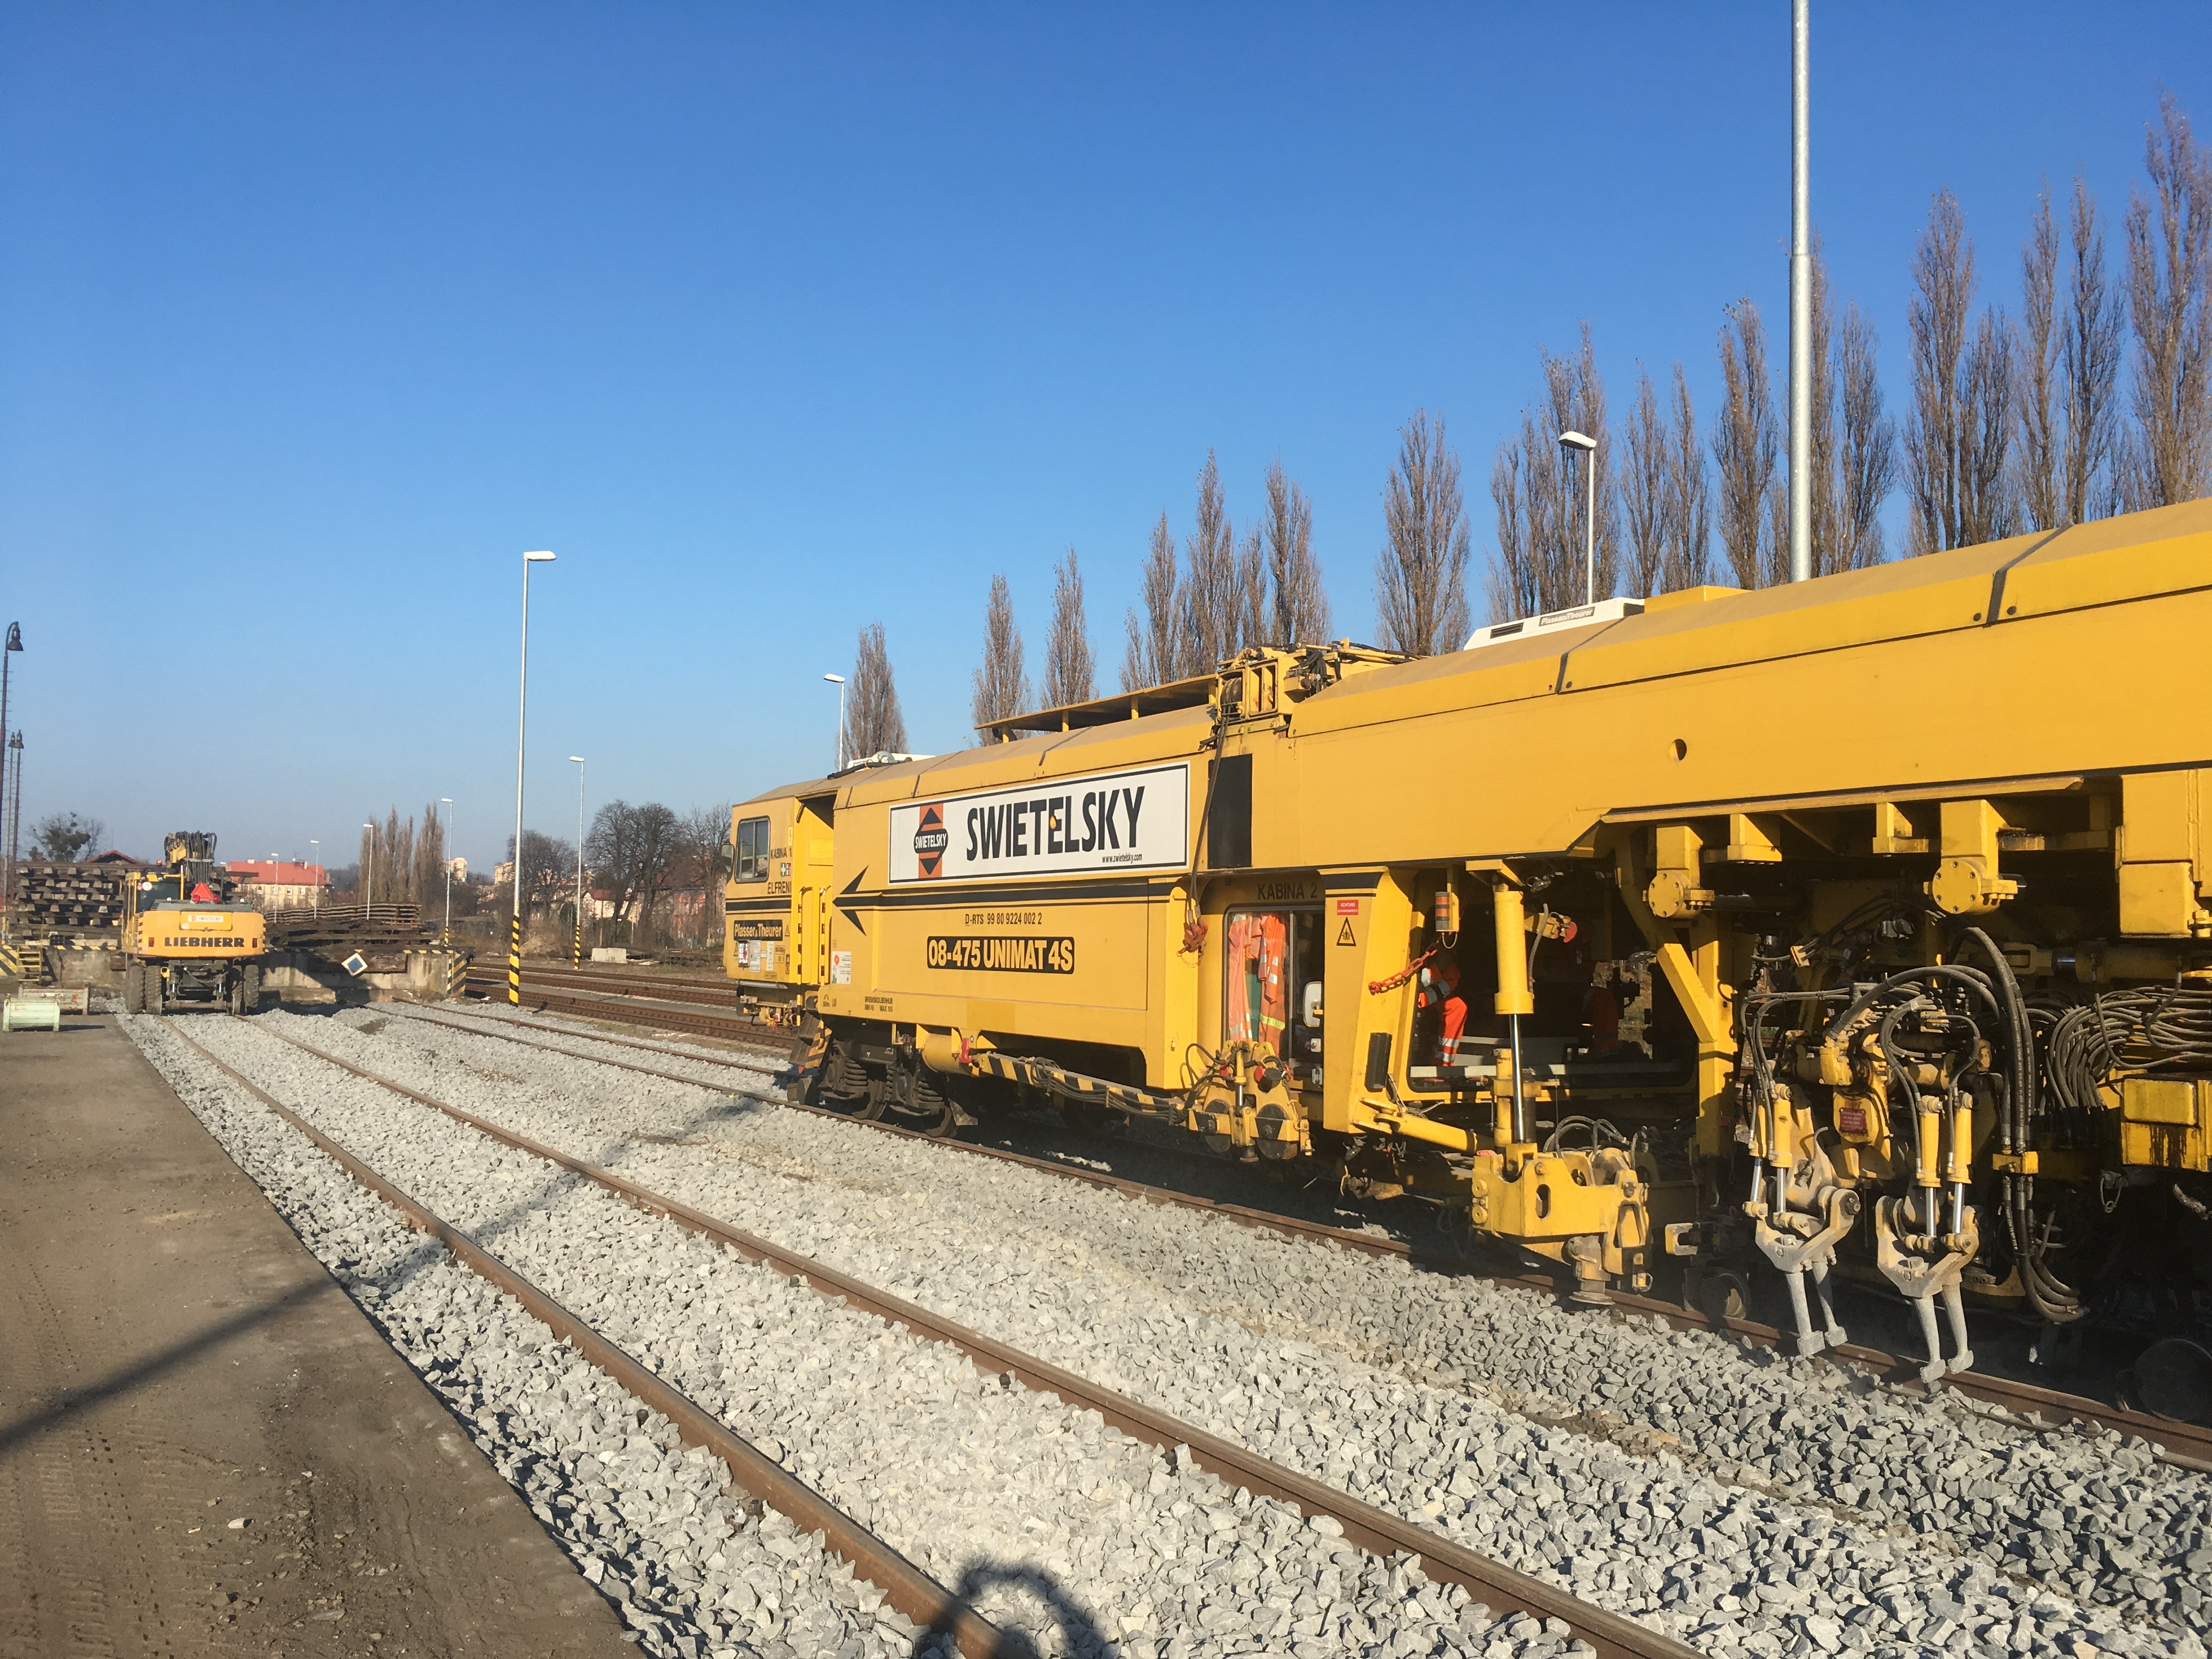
<point x="1138" y="820"/>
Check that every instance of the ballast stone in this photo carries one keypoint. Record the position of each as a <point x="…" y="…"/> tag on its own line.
<point x="491" y="1362"/>
<point x="477" y="1185"/>
<point x="1065" y="1287"/>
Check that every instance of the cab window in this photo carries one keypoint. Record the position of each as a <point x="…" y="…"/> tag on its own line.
<point x="1273" y="957"/>
<point x="752" y="850"/>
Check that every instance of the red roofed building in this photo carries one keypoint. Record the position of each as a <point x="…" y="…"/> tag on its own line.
<point x="274" y="884"/>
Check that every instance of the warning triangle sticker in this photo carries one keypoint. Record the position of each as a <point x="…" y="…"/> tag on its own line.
<point x="1344" y="933"/>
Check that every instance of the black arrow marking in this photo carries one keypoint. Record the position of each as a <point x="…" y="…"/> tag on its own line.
<point x="847" y="911"/>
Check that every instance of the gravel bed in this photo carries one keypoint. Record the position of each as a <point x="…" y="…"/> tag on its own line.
<point x="1055" y="1525"/>
<point x="692" y="1568"/>
<point x="1791" y="1494"/>
<point x="739" y="1068"/>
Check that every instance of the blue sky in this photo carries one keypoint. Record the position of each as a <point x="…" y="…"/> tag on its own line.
<point x="775" y="322"/>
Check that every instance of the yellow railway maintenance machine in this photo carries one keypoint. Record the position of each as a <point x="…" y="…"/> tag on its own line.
<point x="188" y="941"/>
<point x="1864" y="923"/>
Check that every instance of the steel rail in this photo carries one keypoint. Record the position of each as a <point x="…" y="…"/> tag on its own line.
<point x="669" y="987"/>
<point x="1503" y="1588"/>
<point x="908" y="1588"/>
<point x="695" y="1020"/>
<point x="2186" y="1445"/>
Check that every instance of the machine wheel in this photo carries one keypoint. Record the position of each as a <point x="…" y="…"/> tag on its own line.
<point x="874" y="1100"/>
<point x="149" y="988"/>
<point x="941" y="1117"/>
<point x="249" y="991"/>
<point x="134" y="988"/>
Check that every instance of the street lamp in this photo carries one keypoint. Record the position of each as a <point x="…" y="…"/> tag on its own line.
<point x="6" y="662"/>
<point x="1801" y="292"/>
<point x="446" y="938"/>
<point x="838" y="680"/>
<point x="315" y="888"/>
<point x="15" y="813"/>
<point x="1588" y="449"/>
<point x="522" y="721"/>
<point x="576" y="957"/>
<point x="370" y="902"/>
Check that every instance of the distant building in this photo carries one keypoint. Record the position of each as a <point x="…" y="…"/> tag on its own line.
<point x="458" y="869"/>
<point x="276" y="884"/>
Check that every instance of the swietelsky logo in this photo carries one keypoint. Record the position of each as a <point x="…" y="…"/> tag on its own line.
<point x="930" y="840"/>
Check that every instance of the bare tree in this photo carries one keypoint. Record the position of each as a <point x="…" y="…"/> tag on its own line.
<point x="1298" y="612"/>
<point x="1071" y="665"/>
<point x="1853" y="442"/>
<point x="1865" y="465"/>
<point x="1511" y="586"/>
<point x="697" y="864"/>
<point x="2089" y="367"/>
<point x="2040" y="456"/>
<point x="1688" y="562"/>
<point x="2169" y="264"/>
<point x="1158" y="645"/>
<point x="1746" y="453"/>
<point x="1646" y="488"/>
<point x="387" y="861"/>
<point x="66" y="837"/>
<point x="631" y="849"/>
<point x="1002" y="689"/>
<point x="1665" y="498"/>
<point x="549" y="864"/>
<point x="1252" y="610"/>
<point x="1962" y="398"/>
<point x="1210" y="595"/>
<point x="429" y="869"/>
<point x="873" y="725"/>
<point x="1541" y="499"/>
<point x="1420" y="578"/>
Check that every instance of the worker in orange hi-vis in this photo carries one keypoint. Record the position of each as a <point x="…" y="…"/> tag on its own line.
<point x="1440" y="981"/>
<point x="1601" y="1013"/>
<point x="1259" y="997"/>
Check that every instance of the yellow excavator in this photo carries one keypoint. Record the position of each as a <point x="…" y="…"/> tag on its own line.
<point x="188" y="939"/>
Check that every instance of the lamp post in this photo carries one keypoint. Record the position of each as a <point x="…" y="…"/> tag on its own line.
<point x="446" y="937"/>
<point x="521" y="722"/>
<point x="838" y="680"/>
<point x="576" y="957"/>
<point x="1588" y="447"/>
<point x="315" y="888"/>
<point x="15" y="813"/>
<point x="6" y="662"/>
<point x="1800" y="291"/>
<point x="369" y="902"/>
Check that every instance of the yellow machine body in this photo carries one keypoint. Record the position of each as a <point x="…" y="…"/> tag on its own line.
<point x="179" y="950"/>
<point x="2007" y="740"/>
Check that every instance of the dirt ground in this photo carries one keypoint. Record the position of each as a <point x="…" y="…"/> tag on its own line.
<point x="204" y="1446"/>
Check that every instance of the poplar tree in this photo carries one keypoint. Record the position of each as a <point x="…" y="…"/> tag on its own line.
<point x="1421" y="575"/>
<point x="2169" y="267"/>
<point x="1002" y="689"/>
<point x="1158" y="642"/>
<point x="873" y="725"/>
<point x="1298" y="605"/>
<point x="1071" y="665"/>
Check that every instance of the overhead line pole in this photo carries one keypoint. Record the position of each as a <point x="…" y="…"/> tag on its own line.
<point x="1800" y="291"/>
<point x="521" y="726"/>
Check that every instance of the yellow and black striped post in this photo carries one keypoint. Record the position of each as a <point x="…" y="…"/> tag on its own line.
<point x="515" y="962"/>
<point x="577" y="958"/>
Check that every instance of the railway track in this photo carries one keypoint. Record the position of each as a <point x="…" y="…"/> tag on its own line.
<point x="559" y="1107"/>
<point x="1514" y="1599"/>
<point x="697" y="1007"/>
<point x="2185" y="1444"/>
